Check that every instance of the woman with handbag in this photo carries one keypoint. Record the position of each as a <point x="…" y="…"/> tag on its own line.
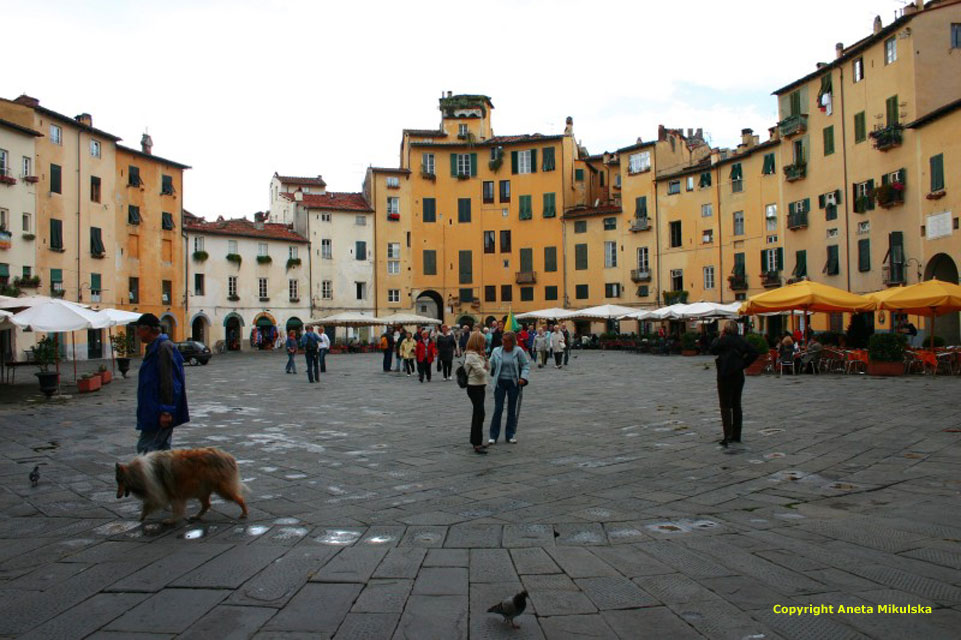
<point x="477" y="367"/>
<point x="734" y="355"/>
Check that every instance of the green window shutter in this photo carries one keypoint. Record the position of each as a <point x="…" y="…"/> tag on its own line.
<point x="56" y="234"/>
<point x="360" y="250"/>
<point x="463" y="210"/>
<point x="739" y="264"/>
<point x="533" y="160"/>
<point x="801" y="264"/>
<point x="526" y="209"/>
<point x="453" y="165"/>
<point x="937" y="172"/>
<point x="430" y="210"/>
<point x="473" y="164"/>
<point x="864" y="255"/>
<point x="736" y="172"/>
<point x="828" y="140"/>
<point x="430" y="262"/>
<point x="527" y="259"/>
<point x="768" y="167"/>
<point x="791" y="208"/>
<point x="550" y="293"/>
<point x="580" y="257"/>
<point x="806" y="205"/>
<point x="870" y="190"/>
<point x="581" y="292"/>
<point x="891" y="106"/>
<point x="550" y="259"/>
<point x="822" y="201"/>
<point x="55" y="178"/>
<point x="780" y="259"/>
<point x="465" y="267"/>
<point x="549" y="205"/>
<point x="4" y="270"/>
<point x="95" y="282"/>
<point x="56" y="275"/>
<point x="860" y="130"/>
<point x="548" y="155"/>
<point x="796" y="103"/>
<point x="513" y="162"/>
<point x="579" y="175"/>
<point x="764" y="260"/>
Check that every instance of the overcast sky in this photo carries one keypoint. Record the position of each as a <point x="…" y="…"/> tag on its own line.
<point x="239" y="89"/>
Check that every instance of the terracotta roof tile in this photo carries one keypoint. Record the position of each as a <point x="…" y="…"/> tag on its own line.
<point x="586" y="212"/>
<point x="313" y="182"/>
<point x="241" y="227"/>
<point x="426" y="133"/>
<point x="336" y="201"/>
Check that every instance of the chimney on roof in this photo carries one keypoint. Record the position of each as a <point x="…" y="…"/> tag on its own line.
<point x="298" y="195"/>
<point x="747" y="137"/>
<point x="661" y="133"/>
<point x="877" y="25"/>
<point x="699" y="134"/>
<point x="27" y="101"/>
<point x="450" y="94"/>
<point x="85" y="119"/>
<point x="773" y="133"/>
<point x="146" y="144"/>
<point x="839" y="50"/>
<point x="569" y="126"/>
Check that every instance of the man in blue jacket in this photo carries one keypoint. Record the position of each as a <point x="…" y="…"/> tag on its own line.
<point x="161" y="388"/>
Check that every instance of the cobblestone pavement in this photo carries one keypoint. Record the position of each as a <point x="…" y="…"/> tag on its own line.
<point x="371" y="517"/>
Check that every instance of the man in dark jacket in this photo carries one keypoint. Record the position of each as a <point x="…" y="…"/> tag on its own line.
<point x="387" y="347"/>
<point x="497" y="334"/>
<point x="446" y="345"/>
<point x="161" y="388"/>
<point x="734" y="354"/>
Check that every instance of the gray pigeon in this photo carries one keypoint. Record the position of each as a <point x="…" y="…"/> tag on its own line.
<point x="35" y="476"/>
<point x="511" y="608"/>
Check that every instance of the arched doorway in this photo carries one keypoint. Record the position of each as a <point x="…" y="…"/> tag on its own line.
<point x="489" y="320"/>
<point x="430" y="304"/>
<point x="296" y="325"/>
<point x="168" y="324"/>
<point x="233" y="328"/>
<point x="942" y="267"/>
<point x="200" y="329"/>
<point x="264" y="332"/>
<point x="467" y="319"/>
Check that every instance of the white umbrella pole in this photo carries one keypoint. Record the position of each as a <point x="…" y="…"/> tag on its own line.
<point x="73" y="339"/>
<point x="113" y="355"/>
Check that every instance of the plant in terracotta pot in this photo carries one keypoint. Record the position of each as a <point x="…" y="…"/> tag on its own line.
<point x="123" y="349"/>
<point x="44" y="355"/>
<point x="88" y="383"/>
<point x="689" y="343"/>
<point x="105" y="375"/>
<point x="761" y="346"/>
<point x="886" y="354"/>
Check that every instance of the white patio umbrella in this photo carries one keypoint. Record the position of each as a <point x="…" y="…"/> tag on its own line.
<point x="699" y="310"/>
<point x="553" y="313"/>
<point x="409" y="318"/>
<point x="55" y="315"/>
<point x="642" y="314"/>
<point x="600" y="312"/>
<point x="119" y="316"/>
<point x="669" y="312"/>
<point x="348" y="319"/>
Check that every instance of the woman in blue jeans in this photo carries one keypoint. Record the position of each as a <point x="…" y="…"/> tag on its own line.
<point x="510" y="367"/>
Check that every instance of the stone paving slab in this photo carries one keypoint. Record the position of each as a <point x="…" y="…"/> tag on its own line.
<point x="373" y="519"/>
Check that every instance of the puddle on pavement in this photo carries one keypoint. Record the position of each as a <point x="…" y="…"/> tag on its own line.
<point x="383" y="539"/>
<point x="585" y="537"/>
<point x="295" y="476"/>
<point x="427" y="537"/>
<point x="617" y="534"/>
<point x="792" y="476"/>
<point x="286" y="521"/>
<point x="338" y="537"/>
<point x="290" y="533"/>
<point x="193" y="534"/>
<point x="256" y="530"/>
<point x="667" y="527"/>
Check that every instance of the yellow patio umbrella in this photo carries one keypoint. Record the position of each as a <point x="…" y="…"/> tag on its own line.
<point x="808" y="296"/>
<point x="929" y="298"/>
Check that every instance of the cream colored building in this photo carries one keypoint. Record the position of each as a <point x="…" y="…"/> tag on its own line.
<point x="282" y="208"/>
<point x="241" y="275"/>
<point x="18" y="222"/>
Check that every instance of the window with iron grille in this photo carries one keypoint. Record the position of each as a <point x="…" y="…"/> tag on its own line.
<point x="393" y="295"/>
<point x="708" y="277"/>
<point x="262" y="288"/>
<point x="293" y="289"/>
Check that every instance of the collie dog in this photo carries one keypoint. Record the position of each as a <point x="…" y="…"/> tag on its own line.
<point x="163" y="478"/>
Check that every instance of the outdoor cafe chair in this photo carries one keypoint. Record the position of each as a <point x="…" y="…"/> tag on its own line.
<point x="856" y="361"/>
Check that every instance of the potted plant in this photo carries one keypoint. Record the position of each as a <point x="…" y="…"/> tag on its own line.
<point x="123" y="348"/>
<point x="760" y="345"/>
<point x="201" y="256"/>
<point x="105" y="375"/>
<point x="44" y="355"/>
<point x="235" y="258"/>
<point x="689" y="343"/>
<point x="264" y="259"/>
<point x="88" y="383"/>
<point x="886" y="354"/>
<point x="292" y="262"/>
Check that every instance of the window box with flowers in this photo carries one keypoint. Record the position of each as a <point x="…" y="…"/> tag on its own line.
<point x="292" y="262"/>
<point x="31" y="179"/>
<point x="264" y="259"/>
<point x="201" y="256"/>
<point x="887" y="137"/>
<point x="796" y="171"/>
<point x="495" y="163"/>
<point x="28" y="236"/>
<point x="737" y="282"/>
<point x="57" y="293"/>
<point x="5" y="179"/>
<point x="30" y="282"/>
<point x="889" y="195"/>
<point x="233" y="298"/>
<point x="862" y="204"/>
<point x="426" y="173"/>
<point x="236" y="258"/>
<point x="936" y="195"/>
<point x="393" y="216"/>
<point x="771" y="279"/>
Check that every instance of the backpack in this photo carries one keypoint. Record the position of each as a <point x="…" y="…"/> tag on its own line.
<point x="461" y="374"/>
<point x="311" y="346"/>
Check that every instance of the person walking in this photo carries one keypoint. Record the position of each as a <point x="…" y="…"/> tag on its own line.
<point x="291" y="346"/>
<point x="399" y="335"/>
<point x="497" y="334"/>
<point x="510" y="368"/>
<point x="323" y="349"/>
<point x="446" y="345"/>
<point x="408" y="349"/>
<point x="557" y="346"/>
<point x="542" y="343"/>
<point x="734" y="355"/>
<point x="487" y="340"/>
<point x="426" y="352"/>
<point x="522" y="339"/>
<point x="311" y="344"/>
<point x="387" y="348"/>
<point x="465" y="334"/>
<point x="567" y="343"/>
<point x="477" y="367"/>
<point x="161" y="388"/>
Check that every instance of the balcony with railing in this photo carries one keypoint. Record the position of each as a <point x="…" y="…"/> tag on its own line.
<point x="797" y="220"/>
<point x="796" y="171"/>
<point x="793" y="125"/>
<point x="887" y="137"/>
<point x="737" y="281"/>
<point x="6" y="175"/>
<point x="525" y="277"/>
<point x="771" y="279"/>
<point x="889" y="195"/>
<point x="641" y="223"/>
<point x="640" y="275"/>
<point x="427" y="172"/>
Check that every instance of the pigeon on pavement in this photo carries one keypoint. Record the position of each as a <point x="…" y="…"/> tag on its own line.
<point x="35" y="476"/>
<point x="511" y="608"/>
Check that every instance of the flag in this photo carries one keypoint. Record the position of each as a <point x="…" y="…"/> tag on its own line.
<point x="512" y="324"/>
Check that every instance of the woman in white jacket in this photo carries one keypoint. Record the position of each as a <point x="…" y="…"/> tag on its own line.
<point x="557" y="346"/>
<point x="477" y="367"/>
